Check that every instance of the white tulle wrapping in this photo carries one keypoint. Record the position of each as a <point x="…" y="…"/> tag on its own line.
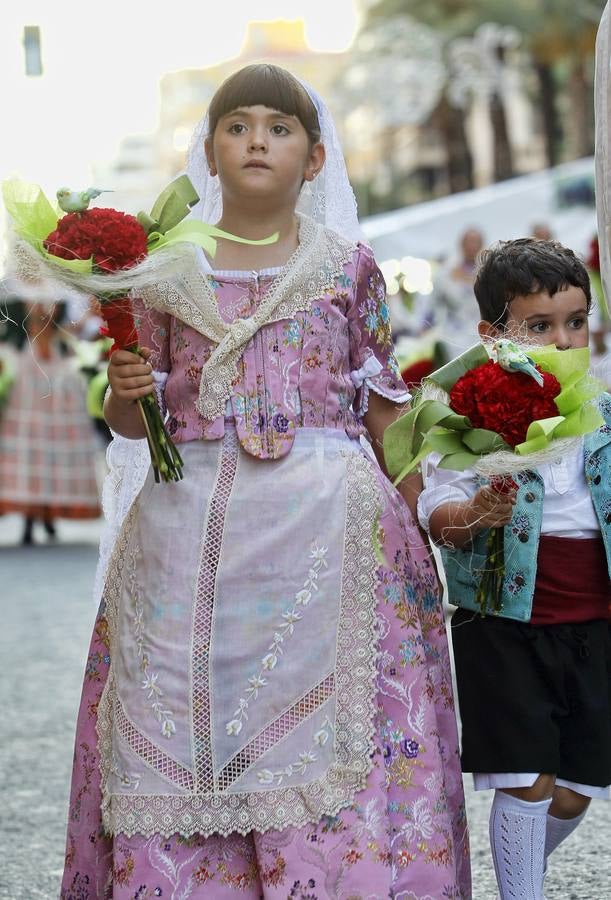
<point x="30" y="265"/>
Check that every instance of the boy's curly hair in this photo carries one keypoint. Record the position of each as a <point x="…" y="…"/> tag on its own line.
<point x="510" y="269"/>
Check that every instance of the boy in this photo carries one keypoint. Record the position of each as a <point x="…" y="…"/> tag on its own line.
<point x="533" y="684"/>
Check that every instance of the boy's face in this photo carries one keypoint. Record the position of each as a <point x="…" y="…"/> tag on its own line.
<point x="561" y="319"/>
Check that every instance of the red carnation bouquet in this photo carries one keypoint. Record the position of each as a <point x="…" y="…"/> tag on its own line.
<point x="497" y="417"/>
<point x="114" y="241"/>
<point x="109" y="254"/>
<point x="505" y="402"/>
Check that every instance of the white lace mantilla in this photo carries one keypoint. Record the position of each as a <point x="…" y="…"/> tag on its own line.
<point x="190" y="297"/>
<point x="290" y="767"/>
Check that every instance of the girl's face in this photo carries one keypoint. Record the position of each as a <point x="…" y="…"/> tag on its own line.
<point x="260" y="152"/>
<point x="561" y="319"/>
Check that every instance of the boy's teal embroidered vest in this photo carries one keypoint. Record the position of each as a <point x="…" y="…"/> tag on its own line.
<point x="463" y="567"/>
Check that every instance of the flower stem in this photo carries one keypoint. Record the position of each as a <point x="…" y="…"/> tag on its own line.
<point x="166" y="460"/>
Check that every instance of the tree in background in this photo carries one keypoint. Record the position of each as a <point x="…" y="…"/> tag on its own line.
<point x="556" y="40"/>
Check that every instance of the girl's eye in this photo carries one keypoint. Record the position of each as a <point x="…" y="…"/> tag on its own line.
<point x="237" y="128"/>
<point x="577" y="323"/>
<point x="280" y="129"/>
<point x="539" y="327"/>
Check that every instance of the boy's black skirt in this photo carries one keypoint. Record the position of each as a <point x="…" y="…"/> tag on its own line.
<point x="534" y="698"/>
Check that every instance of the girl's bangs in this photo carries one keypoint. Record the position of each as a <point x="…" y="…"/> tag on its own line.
<point x="265" y="85"/>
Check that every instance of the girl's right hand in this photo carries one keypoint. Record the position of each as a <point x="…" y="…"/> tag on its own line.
<point x="490" y="509"/>
<point x="130" y="375"/>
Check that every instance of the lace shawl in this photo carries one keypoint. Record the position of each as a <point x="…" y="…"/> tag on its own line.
<point x="190" y="297"/>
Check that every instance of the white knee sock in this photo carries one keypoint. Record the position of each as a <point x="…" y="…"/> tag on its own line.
<point x="559" y="829"/>
<point x="517" y="841"/>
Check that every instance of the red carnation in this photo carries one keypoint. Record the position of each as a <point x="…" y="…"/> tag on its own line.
<point x="114" y="239"/>
<point x="504" y="402"/>
<point x="120" y="324"/>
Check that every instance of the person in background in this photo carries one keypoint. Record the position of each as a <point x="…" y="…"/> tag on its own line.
<point x="48" y="446"/>
<point x="542" y="231"/>
<point x="449" y="309"/>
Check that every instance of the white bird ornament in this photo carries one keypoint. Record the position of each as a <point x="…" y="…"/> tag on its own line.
<point x="77" y="201"/>
<point x="512" y="359"/>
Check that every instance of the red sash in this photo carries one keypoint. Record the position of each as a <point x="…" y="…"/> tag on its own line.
<point x="572" y="583"/>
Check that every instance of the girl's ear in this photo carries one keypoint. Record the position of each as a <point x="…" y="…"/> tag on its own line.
<point x="209" y="156"/>
<point x="488" y="330"/>
<point x="316" y="161"/>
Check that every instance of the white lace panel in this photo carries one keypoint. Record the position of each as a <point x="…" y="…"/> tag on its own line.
<point x="204" y="607"/>
<point x="128" y="464"/>
<point x="241" y="692"/>
<point x="275" y="731"/>
<point x="312" y="270"/>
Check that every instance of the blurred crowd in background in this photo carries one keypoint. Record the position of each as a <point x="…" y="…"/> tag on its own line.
<point x="462" y="123"/>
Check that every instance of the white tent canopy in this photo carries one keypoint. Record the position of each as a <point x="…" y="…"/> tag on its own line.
<point x="561" y="197"/>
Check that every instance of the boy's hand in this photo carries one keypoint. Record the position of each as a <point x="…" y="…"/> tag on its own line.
<point x="490" y="509"/>
<point x="130" y="375"/>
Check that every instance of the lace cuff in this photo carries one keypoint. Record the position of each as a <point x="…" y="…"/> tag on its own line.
<point x="368" y="378"/>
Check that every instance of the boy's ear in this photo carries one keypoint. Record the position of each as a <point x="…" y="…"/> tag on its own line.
<point x="209" y="156"/>
<point x="488" y="330"/>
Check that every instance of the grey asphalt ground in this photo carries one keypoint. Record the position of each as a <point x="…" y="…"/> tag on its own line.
<point x="47" y="615"/>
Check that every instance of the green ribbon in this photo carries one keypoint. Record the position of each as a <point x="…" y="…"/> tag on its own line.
<point x="432" y="426"/>
<point x="200" y="233"/>
<point x="447" y="376"/>
<point x="165" y="227"/>
<point x="170" y="207"/>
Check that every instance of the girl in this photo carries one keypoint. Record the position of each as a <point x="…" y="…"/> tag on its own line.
<point x="48" y="446"/>
<point x="269" y="673"/>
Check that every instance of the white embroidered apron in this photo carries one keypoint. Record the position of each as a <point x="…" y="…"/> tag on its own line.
<point x="241" y="611"/>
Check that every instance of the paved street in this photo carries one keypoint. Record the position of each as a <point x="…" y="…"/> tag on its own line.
<point x="47" y="614"/>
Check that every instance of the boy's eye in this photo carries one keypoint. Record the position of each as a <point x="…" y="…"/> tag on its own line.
<point x="539" y="327"/>
<point x="577" y="323"/>
<point x="237" y="128"/>
<point x="280" y="129"/>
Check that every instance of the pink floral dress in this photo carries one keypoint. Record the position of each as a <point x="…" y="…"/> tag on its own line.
<point x="269" y="676"/>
